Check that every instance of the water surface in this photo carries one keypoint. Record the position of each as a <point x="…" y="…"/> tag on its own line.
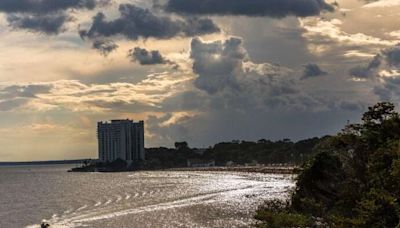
<point x="30" y="194"/>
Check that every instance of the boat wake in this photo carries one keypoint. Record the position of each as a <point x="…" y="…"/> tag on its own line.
<point x="111" y="209"/>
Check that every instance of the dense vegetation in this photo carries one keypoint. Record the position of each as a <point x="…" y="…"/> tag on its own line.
<point x="353" y="180"/>
<point x="237" y="152"/>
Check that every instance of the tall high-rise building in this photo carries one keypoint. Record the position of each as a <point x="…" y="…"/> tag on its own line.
<point x="122" y="139"/>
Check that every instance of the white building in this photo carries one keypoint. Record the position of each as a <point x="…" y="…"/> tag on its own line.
<point x="122" y="139"/>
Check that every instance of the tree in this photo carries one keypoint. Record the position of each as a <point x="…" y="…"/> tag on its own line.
<point x="181" y="145"/>
<point x="378" y="113"/>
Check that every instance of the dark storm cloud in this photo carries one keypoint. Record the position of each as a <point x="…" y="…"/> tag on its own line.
<point x="388" y="59"/>
<point x="392" y="56"/>
<point x="135" y="22"/>
<point x="312" y="70"/>
<point x="368" y="70"/>
<point x="232" y="81"/>
<point x="384" y="71"/>
<point x="217" y="63"/>
<point x="226" y="72"/>
<point x="48" y="24"/>
<point x="145" y="57"/>
<point x="389" y="86"/>
<point x="194" y="26"/>
<point x="46" y="6"/>
<point x="360" y="72"/>
<point x="44" y="16"/>
<point x="271" y="8"/>
<point x="105" y="47"/>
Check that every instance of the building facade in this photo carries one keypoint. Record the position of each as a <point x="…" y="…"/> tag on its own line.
<point x="122" y="139"/>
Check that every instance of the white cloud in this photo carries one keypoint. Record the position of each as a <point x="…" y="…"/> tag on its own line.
<point x="395" y="34"/>
<point x="355" y="53"/>
<point x="331" y="29"/>
<point x="382" y="4"/>
<point x="77" y="96"/>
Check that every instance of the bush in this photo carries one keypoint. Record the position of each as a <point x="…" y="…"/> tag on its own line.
<point x="276" y="214"/>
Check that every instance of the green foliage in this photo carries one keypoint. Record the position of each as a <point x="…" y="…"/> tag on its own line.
<point x="181" y="145"/>
<point x="162" y="157"/>
<point x="319" y="176"/>
<point x="378" y="207"/>
<point x="277" y="214"/>
<point x="379" y="113"/>
<point x="263" y="151"/>
<point x="239" y="152"/>
<point x="282" y="219"/>
<point x="354" y="180"/>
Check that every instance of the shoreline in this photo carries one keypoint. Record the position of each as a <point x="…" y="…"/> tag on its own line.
<point x="249" y="169"/>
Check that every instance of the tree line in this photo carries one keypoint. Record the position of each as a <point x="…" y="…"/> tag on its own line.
<point x="236" y="152"/>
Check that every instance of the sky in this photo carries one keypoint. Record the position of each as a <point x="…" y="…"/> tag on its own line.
<point x="201" y="71"/>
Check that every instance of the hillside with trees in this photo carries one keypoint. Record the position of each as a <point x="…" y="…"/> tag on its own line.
<point x="352" y="181"/>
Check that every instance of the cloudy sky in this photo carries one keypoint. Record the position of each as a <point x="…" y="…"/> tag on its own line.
<point x="202" y="71"/>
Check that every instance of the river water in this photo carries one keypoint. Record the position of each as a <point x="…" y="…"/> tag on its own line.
<point x="31" y="194"/>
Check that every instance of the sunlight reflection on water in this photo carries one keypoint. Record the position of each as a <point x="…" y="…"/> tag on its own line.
<point x="141" y="199"/>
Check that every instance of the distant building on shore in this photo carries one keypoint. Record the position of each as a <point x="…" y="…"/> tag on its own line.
<point x="122" y="139"/>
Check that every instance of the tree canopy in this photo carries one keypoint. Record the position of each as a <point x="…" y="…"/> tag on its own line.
<point x="353" y="181"/>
